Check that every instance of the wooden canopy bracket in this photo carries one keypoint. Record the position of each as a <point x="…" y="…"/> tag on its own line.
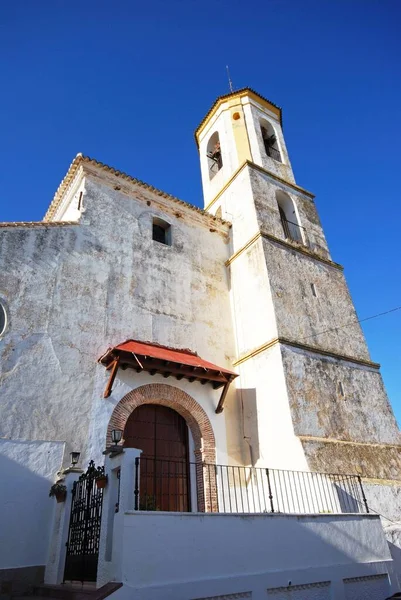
<point x="137" y="360"/>
<point x="112" y="377"/>
<point x="167" y="362"/>
<point x="220" y="406"/>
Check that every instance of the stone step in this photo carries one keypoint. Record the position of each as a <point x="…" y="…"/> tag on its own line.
<point x="30" y="597"/>
<point x="75" y="591"/>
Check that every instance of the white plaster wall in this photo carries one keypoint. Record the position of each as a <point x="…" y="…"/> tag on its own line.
<point x="128" y="380"/>
<point x="27" y="471"/>
<point x="75" y="290"/>
<point x="268" y="424"/>
<point x="311" y="591"/>
<point x="212" y="555"/>
<point x="372" y="587"/>
<point x="238" y="207"/>
<point x="384" y="498"/>
<point x="73" y="202"/>
<point x="221" y="123"/>
<point x="393" y="535"/>
<point x="251" y="300"/>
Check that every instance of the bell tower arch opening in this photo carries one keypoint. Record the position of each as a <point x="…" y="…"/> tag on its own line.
<point x="288" y="216"/>
<point x="241" y="129"/>
<point x="270" y="141"/>
<point x="213" y="153"/>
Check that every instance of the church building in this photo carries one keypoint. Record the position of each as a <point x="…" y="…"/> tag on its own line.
<point x="239" y="438"/>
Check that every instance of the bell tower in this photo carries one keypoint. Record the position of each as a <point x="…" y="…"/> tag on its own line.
<point x="311" y="395"/>
<point x="245" y="127"/>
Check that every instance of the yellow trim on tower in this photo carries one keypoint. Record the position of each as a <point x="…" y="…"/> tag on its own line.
<point x="312" y="349"/>
<point x="249" y="163"/>
<point x="240" y="131"/>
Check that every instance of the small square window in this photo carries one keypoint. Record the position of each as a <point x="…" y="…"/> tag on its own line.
<point x="161" y="231"/>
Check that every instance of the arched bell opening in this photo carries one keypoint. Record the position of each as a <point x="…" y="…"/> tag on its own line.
<point x="270" y="140"/>
<point x="289" y="221"/>
<point x="214" y="156"/>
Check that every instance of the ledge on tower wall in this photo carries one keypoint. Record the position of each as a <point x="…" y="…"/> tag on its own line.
<point x="372" y="461"/>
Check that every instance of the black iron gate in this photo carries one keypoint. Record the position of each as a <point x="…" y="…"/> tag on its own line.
<point x="84" y="532"/>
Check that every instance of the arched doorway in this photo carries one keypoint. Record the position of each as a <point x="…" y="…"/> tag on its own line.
<point x="198" y="423"/>
<point x="162" y="435"/>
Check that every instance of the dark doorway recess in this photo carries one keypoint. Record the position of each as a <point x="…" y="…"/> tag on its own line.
<point x="84" y="530"/>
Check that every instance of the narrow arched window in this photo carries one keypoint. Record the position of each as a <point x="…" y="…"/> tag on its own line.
<point x="3" y="318"/>
<point x="291" y="228"/>
<point x="161" y="231"/>
<point x="270" y="140"/>
<point x="213" y="153"/>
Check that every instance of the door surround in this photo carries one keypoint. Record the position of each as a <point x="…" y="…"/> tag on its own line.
<point x="172" y="397"/>
<point x="197" y="421"/>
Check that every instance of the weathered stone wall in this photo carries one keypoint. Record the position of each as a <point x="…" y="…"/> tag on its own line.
<point x="264" y="188"/>
<point x="74" y="290"/>
<point x="363" y="414"/>
<point x="371" y="460"/>
<point x="303" y="317"/>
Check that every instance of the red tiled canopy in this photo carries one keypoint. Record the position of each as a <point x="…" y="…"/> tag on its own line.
<point x="154" y="358"/>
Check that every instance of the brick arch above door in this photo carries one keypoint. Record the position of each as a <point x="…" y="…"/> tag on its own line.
<point x="172" y="397"/>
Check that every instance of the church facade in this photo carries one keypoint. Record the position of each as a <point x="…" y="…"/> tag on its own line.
<point x="204" y="336"/>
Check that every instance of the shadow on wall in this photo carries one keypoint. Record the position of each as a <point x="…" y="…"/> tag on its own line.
<point x="27" y="470"/>
<point x="348" y="504"/>
<point x="249" y="424"/>
<point x="393" y="535"/>
<point x="319" y="554"/>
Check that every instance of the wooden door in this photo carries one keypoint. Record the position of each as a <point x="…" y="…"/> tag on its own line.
<point x="162" y="435"/>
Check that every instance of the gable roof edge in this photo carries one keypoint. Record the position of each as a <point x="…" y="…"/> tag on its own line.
<point x="81" y="159"/>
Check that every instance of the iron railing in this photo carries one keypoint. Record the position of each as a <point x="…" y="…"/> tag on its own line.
<point x="179" y="486"/>
<point x="273" y="152"/>
<point x="294" y="232"/>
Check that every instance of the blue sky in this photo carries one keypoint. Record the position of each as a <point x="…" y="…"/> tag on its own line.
<point x="128" y="82"/>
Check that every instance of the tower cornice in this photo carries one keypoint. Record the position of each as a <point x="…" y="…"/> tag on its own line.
<point x="251" y="164"/>
<point x="308" y="348"/>
<point x="291" y="245"/>
<point x="238" y="94"/>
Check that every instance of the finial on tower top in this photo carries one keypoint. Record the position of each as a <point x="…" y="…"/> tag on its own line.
<point x="230" y="83"/>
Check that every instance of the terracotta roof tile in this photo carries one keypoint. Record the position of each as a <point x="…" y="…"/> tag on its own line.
<point x="166" y="353"/>
<point x="26" y="224"/>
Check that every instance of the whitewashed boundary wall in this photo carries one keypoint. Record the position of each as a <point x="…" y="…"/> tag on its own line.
<point x="27" y="470"/>
<point x="215" y="555"/>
